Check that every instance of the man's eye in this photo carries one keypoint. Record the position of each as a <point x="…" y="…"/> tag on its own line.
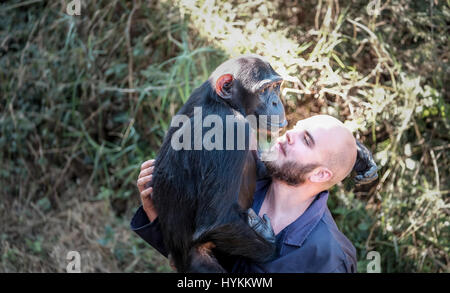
<point x="306" y="138"/>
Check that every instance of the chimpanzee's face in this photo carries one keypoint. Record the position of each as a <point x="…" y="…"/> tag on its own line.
<point x="250" y="83"/>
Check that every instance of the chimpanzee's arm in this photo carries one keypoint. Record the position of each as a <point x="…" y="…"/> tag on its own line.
<point x="149" y="231"/>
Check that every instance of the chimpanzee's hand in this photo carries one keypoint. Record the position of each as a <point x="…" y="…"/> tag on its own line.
<point x="261" y="226"/>
<point x="365" y="166"/>
<point x="145" y="177"/>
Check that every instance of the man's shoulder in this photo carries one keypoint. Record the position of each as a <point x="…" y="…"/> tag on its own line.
<point x="320" y="252"/>
<point x="326" y="234"/>
<point x="332" y="244"/>
<point x="323" y="239"/>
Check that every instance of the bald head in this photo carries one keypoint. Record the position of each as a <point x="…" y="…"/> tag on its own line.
<point x="319" y="151"/>
<point x="335" y="144"/>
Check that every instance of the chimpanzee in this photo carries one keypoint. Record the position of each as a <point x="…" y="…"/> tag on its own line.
<point x="202" y="195"/>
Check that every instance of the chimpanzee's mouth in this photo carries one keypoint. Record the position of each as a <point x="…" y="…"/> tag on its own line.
<point x="277" y="128"/>
<point x="280" y="125"/>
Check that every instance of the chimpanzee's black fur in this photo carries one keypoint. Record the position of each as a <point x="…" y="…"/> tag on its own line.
<point x="196" y="191"/>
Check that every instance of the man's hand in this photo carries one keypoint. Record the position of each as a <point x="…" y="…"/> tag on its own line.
<point x="145" y="176"/>
<point x="365" y="166"/>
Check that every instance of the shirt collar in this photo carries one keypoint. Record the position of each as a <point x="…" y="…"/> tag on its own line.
<point x="299" y="230"/>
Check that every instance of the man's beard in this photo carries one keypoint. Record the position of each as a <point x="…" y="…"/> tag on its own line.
<point x="292" y="173"/>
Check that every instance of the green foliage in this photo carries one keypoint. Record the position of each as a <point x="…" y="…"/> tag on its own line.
<point x="84" y="100"/>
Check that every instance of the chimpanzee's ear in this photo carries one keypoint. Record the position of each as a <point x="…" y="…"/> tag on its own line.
<point x="223" y="86"/>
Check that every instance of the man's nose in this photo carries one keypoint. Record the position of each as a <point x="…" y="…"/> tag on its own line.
<point x="289" y="138"/>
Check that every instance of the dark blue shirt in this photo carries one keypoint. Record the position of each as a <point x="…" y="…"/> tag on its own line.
<point x="310" y="244"/>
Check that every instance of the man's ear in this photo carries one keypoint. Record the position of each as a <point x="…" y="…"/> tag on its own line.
<point x="321" y="175"/>
<point x="224" y="85"/>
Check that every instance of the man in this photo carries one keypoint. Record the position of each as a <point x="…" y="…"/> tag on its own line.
<point x="312" y="157"/>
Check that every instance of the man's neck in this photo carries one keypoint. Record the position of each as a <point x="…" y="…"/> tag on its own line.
<point x="284" y="203"/>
